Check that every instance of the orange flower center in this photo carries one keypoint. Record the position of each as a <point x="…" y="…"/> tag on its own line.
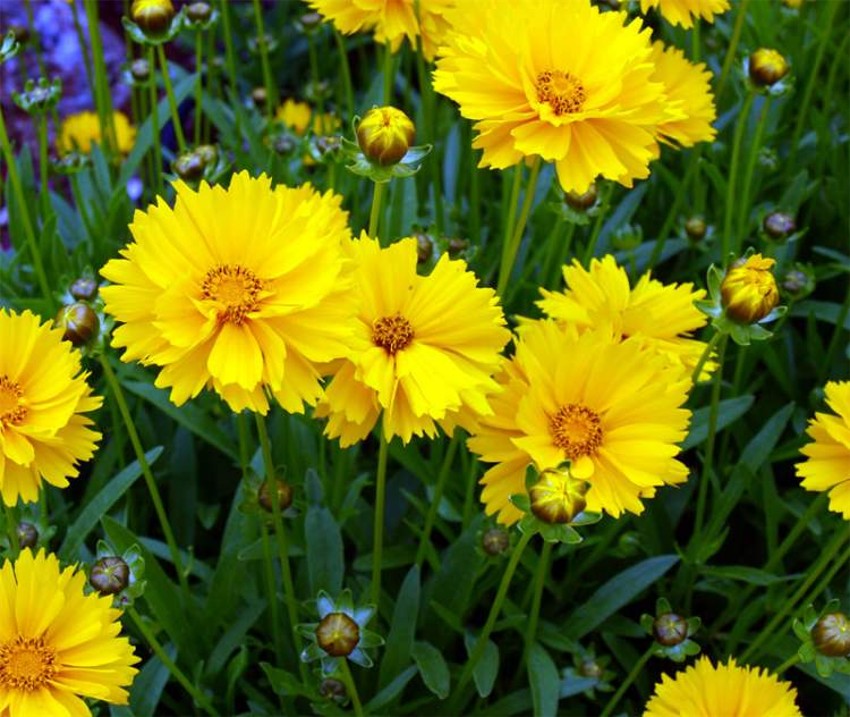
<point x="26" y="663"/>
<point x="563" y="92"/>
<point x="576" y="429"/>
<point x="392" y="333"/>
<point x="11" y="410"/>
<point x="236" y="288"/>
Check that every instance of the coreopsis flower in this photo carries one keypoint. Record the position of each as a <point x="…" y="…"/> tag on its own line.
<point x="299" y="117"/>
<point x="57" y="644"/>
<point x="591" y="105"/>
<point x="609" y="408"/>
<point x="44" y="433"/>
<point x="661" y="316"/>
<point x="152" y="16"/>
<point x="683" y="12"/>
<point x="726" y="689"/>
<point x="424" y="348"/>
<point x="80" y="131"/>
<point x="748" y="291"/>
<point x="688" y="88"/>
<point x="767" y="67"/>
<point x="827" y="464"/>
<point x="241" y="290"/>
<point x="391" y="21"/>
<point x="385" y="134"/>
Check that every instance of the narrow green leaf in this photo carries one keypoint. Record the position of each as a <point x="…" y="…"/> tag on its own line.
<point x="729" y="411"/>
<point x="234" y="636"/>
<point x="391" y="691"/>
<point x="148" y="685"/>
<point x="487" y="668"/>
<point x="752" y="576"/>
<point x="544" y="680"/>
<point x="432" y="667"/>
<point x="400" y="638"/>
<point x="325" y="560"/>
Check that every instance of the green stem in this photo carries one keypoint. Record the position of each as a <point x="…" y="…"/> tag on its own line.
<point x="729" y="242"/>
<point x="271" y="88"/>
<point x="12" y="530"/>
<point x="172" y="100"/>
<point x="590" y="250"/>
<point x="749" y="171"/>
<point x="375" y="213"/>
<point x="153" y="490"/>
<point x="39" y="55"/>
<point x="706" y="354"/>
<point x="790" y="662"/>
<point x="351" y="688"/>
<point x="426" y="92"/>
<point x="513" y="237"/>
<point x="345" y="70"/>
<point x="230" y="56"/>
<point x="670" y="219"/>
<point x="199" y="85"/>
<point x="199" y="697"/>
<point x="636" y="670"/>
<point x="378" y="538"/>
<point x="434" y="505"/>
<point x="84" y="46"/>
<point x="159" y="188"/>
<point x="389" y="72"/>
<point x="733" y="47"/>
<point x="537" y="598"/>
<point x="556" y="253"/>
<point x="835" y="342"/>
<point x="102" y="92"/>
<point x="313" y="55"/>
<point x="47" y="207"/>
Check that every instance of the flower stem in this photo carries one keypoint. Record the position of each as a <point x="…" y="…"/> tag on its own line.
<point x="513" y="235"/>
<point x="749" y="171"/>
<point x="835" y="342"/>
<point x="345" y="70"/>
<point x="84" y="48"/>
<point x="434" y="505"/>
<point x="351" y="688"/>
<point x="172" y="101"/>
<point x="389" y="72"/>
<point x="790" y="662"/>
<point x="199" y="84"/>
<point x="590" y="249"/>
<point x="12" y="530"/>
<point x="47" y="207"/>
<point x="669" y="220"/>
<point x="733" y="48"/>
<point x="230" y="57"/>
<point x="102" y="93"/>
<point x="375" y="213"/>
<point x="271" y="88"/>
<point x="636" y="670"/>
<point x="706" y="354"/>
<point x="537" y="598"/>
<point x="380" y="499"/>
<point x="157" y="138"/>
<point x="730" y="242"/>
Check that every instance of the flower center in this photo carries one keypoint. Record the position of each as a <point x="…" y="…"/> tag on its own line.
<point x="234" y="286"/>
<point x="392" y="333"/>
<point x="11" y="410"/>
<point x="576" y="429"/>
<point x="26" y="663"/>
<point x="564" y="93"/>
<point x="337" y="634"/>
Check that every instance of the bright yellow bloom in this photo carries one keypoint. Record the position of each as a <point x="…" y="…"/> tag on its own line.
<point x="683" y="12"/>
<point x="385" y="134"/>
<point x="57" y="644"/>
<point x="689" y="89"/>
<point x="391" y="20"/>
<point x="43" y="396"/>
<point x="749" y="290"/>
<point x="727" y="690"/>
<point x="424" y="349"/>
<point x="298" y="116"/>
<point x="610" y="408"/>
<point x="828" y="464"/>
<point x="661" y="316"/>
<point x="241" y="290"/>
<point x="81" y="130"/>
<point x="590" y="104"/>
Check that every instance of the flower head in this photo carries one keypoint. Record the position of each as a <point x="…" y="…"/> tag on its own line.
<point x="43" y="396"/>
<point x="728" y="690"/>
<point x="557" y="497"/>
<point x="57" y="644"/>
<point x="80" y="131"/>
<point x="767" y="67"/>
<point x="385" y="134"/>
<point x="424" y="347"/>
<point x="153" y="16"/>
<point x="609" y="408"/>
<point x="827" y="464"/>
<point x="749" y="290"/>
<point x="242" y="290"/>
<point x="299" y="117"/>
<point x="683" y="12"/>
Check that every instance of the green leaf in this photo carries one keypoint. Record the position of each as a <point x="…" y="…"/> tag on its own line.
<point x="752" y="576"/>
<point x="614" y="594"/>
<point x="102" y="502"/>
<point x="283" y="682"/>
<point x="432" y="667"/>
<point x="400" y="638"/>
<point x="728" y="411"/>
<point x="325" y="561"/>
<point x="234" y="636"/>
<point x="544" y="680"/>
<point x="148" y="685"/>
<point x="488" y="666"/>
<point x="391" y="691"/>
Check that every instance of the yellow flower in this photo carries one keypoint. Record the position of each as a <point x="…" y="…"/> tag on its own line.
<point x="683" y="12"/>
<point x="728" y="690"/>
<point x="609" y="408"/>
<point x="828" y="464"/>
<point x="298" y="116"/>
<point x="688" y="88"/>
<point x="589" y="105"/>
<point x="81" y="130"/>
<point x="57" y="644"/>
<point x="661" y="316"/>
<point x="385" y="134"/>
<point x="239" y="289"/>
<point x="767" y="67"/>
<point x="749" y="292"/>
<point x="153" y="16"/>
<point x="43" y="396"/>
<point x="391" y="20"/>
<point x="424" y="348"/>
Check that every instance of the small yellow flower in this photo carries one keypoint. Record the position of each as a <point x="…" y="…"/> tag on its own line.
<point x="683" y="12"/>
<point x="385" y="134"/>
<point x="80" y="131"/>
<point x="153" y="16"/>
<point x="299" y="117"/>
<point x="749" y="290"/>
<point x="767" y="67"/>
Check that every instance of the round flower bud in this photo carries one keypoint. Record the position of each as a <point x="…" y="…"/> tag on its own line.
<point x="495" y="541"/>
<point x="153" y="16"/>
<point x="695" y="228"/>
<point x="338" y="634"/>
<point x="140" y="70"/>
<point x="582" y="201"/>
<point x="670" y="629"/>
<point x="748" y="291"/>
<point x="332" y="689"/>
<point x="83" y="289"/>
<point x="424" y="247"/>
<point x="309" y="21"/>
<point x="385" y="134"/>
<point x="456" y="246"/>
<point x="199" y="12"/>
<point x="327" y="143"/>
<point x="79" y="321"/>
<point x="778" y="225"/>
<point x="557" y="497"/>
<point x="21" y="33"/>
<point x="27" y="534"/>
<point x="797" y="282"/>
<point x="590" y="668"/>
<point x="284" y="495"/>
<point x="831" y="635"/>
<point x="189" y="167"/>
<point x="259" y="96"/>
<point x="109" y="576"/>
<point x="283" y="144"/>
<point x="207" y="153"/>
<point x="767" y="67"/>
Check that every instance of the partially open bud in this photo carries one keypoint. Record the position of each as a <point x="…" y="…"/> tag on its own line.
<point x="495" y="541"/>
<point x="557" y="497"/>
<point x="695" y="228"/>
<point x="385" y="134"/>
<point x="779" y="225"/>
<point x="109" y="576"/>
<point x="27" y="534"/>
<point x="749" y="290"/>
<point x="189" y="167"/>
<point x="670" y="629"/>
<point x="284" y="495"/>
<point x="337" y="634"/>
<point x="767" y="67"/>
<point x="831" y="635"/>
<point x="259" y="97"/>
<point x="199" y="12"/>
<point x="79" y="322"/>
<point x="83" y="289"/>
<point x="582" y="201"/>
<point x="140" y="70"/>
<point x="152" y="16"/>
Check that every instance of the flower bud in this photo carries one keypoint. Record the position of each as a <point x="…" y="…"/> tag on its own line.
<point x="284" y="495"/>
<point x="670" y="629"/>
<point x="21" y="33"/>
<point x="283" y="144"/>
<point x="778" y="225"/>
<point x="831" y="635"/>
<point x="457" y="246"/>
<point x="260" y="97"/>
<point x="695" y="228"/>
<point x="309" y="21"/>
<point x="495" y="541"/>
<point x="385" y="134"/>
<point x="557" y="497"/>
<point x="152" y="16"/>
<point x="327" y="143"/>
<point x="582" y="201"/>
<point x="424" y="247"/>
<point x="27" y="534"/>
<point x="83" y="289"/>
<point x="140" y="70"/>
<point x="199" y="12"/>
<point x="332" y="689"/>
<point x="749" y="292"/>
<point x="590" y="668"/>
<point x="767" y="67"/>
<point x="338" y="634"/>
<point x="110" y="575"/>
<point x="189" y="167"/>
<point x="798" y="283"/>
<point x="79" y="322"/>
<point x="208" y="154"/>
